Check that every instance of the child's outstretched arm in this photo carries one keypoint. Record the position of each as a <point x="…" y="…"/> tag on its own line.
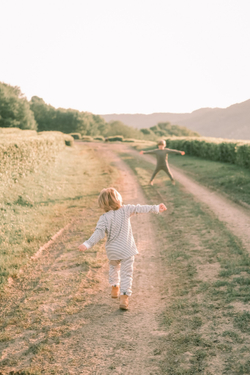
<point x="98" y="235"/>
<point x="147" y="152"/>
<point x="171" y="151"/>
<point x="144" y="209"/>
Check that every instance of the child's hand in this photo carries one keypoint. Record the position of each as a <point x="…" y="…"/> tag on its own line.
<point x="82" y="248"/>
<point x="162" y="207"/>
<point x="182" y="152"/>
<point x="141" y="152"/>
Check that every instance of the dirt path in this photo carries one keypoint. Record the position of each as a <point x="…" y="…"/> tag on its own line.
<point x="69" y="325"/>
<point x="127" y="342"/>
<point x="236" y="218"/>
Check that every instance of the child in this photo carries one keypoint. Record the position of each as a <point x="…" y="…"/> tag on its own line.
<point x="162" y="160"/>
<point x="120" y="245"/>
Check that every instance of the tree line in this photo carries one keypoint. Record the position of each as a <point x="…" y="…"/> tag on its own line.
<point x="17" y="111"/>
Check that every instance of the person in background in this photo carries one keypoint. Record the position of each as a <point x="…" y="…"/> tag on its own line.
<point x="162" y="160"/>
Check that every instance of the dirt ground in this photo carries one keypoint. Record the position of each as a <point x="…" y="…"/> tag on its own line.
<point x="126" y="342"/>
<point x="99" y="337"/>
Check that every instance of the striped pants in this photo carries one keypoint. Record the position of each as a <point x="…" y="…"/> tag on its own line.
<point x="121" y="274"/>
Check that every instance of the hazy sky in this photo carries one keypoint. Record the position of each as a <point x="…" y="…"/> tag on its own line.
<point x="130" y="56"/>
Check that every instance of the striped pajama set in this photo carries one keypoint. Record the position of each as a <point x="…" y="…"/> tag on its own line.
<point x="120" y="246"/>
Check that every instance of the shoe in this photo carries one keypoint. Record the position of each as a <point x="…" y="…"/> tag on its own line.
<point x="124" y="302"/>
<point x="115" y="291"/>
<point x="173" y="182"/>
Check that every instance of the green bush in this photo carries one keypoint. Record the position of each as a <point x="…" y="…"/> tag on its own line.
<point x="116" y="138"/>
<point x="229" y="151"/>
<point x="243" y="154"/>
<point x="99" y="138"/>
<point x="76" y="135"/>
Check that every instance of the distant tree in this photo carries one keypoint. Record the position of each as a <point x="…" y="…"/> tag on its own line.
<point x="44" y="113"/>
<point x="14" y="109"/>
<point x="65" y="120"/>
<point x="165" y="129"/>
<point x="146" y="131"/>
<point x="118" y="128"/>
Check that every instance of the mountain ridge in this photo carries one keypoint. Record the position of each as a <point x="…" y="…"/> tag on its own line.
<point x="232" y="122"/>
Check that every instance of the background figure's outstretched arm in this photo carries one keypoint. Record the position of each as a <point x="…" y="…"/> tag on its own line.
<point x="148" y="152"/>
<point x="171" y="151"/>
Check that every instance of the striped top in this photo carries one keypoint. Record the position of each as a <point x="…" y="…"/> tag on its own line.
<point x="116" y="224"/>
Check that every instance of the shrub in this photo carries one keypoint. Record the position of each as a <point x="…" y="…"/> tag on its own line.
<point x="116" y="138"/>
<point x="243" y="154"/>
<point x="99" y="138"/>
<point x="76" y="135"/>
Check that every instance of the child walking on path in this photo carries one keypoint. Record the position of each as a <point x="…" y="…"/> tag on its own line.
<point x="162" y="160"/>
<point x="120" y="245"/>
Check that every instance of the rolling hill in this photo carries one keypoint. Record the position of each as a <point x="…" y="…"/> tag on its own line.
<point x="232" y="122"/>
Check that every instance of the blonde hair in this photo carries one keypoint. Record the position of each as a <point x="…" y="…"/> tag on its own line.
<point x="162" y="143"/>
<point x="109" y="199"/>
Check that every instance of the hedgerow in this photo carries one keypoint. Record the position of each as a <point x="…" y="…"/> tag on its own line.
<point x="229" y="151"/>
<point x="22" y="153"/>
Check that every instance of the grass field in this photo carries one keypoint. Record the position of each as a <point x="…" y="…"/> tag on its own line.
<point x="207" y="315"/>
<point x="40" y="204"/>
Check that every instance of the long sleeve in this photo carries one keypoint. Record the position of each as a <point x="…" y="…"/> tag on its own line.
<point x="98" y="234"/>
<point x="171" y="151"/>
<point x="149" y="152"/>
<point x="141" y="209"/>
